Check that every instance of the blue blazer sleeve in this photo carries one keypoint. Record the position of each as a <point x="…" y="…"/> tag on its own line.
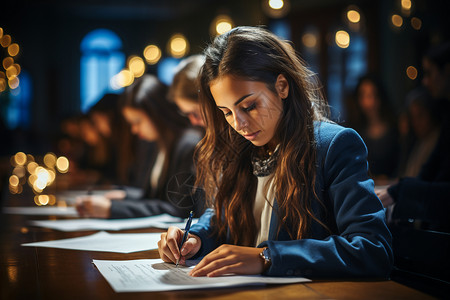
<point x="360" y="245"/>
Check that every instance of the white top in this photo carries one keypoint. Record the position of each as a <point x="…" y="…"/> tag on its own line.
<point x="157" y="170"/>
<point x="262" y="209"/>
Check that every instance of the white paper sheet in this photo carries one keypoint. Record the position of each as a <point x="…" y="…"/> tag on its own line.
<point x="42" y="211"/>
<point x="161" y="221"/>
<point x="106" y="242"/>
<point x="153" y="275"/>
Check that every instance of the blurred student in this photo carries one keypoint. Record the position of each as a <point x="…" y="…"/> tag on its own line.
<point x="290" y="189"/>
<point x="152" y="118"/>
<point x="424" y="128"/>
<point x="184" y="89"/>
<point x="425" y="198"/>
<point x="111" y="125"/>
<point x="373" y="118"/>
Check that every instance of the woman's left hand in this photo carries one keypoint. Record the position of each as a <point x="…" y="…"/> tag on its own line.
<point x="229" y="259"/>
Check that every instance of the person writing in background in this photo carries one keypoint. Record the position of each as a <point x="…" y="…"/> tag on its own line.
<point x="425" y="198"/>
<point x="374" y="119"/>
<point x="121" y="147"/>
<point x="153" y="118"/>
<point x="184" y="90"/>
<point x="290" y="190"/>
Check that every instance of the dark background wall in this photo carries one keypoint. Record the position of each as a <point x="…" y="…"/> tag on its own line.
<point x="50" y="32"/>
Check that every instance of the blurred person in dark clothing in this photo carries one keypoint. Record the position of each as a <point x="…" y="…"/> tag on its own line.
<point x="373" y="117"/>
<point x="426" y="198"/>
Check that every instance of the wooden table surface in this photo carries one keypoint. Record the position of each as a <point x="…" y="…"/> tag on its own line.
<point x="48" y="273"/>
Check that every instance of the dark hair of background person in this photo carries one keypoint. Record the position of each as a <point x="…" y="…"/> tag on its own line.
<point x="121" y="142"/>
<point x="224" y="156"/>
<point x="148" y="94"/>
<point x="356" y="118"/>
<point x="186" y="74"/>
<point x="415" y="129"/>
<point x="439" y="55"/>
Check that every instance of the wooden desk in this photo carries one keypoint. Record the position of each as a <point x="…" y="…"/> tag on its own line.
<point x="47" y="273"/>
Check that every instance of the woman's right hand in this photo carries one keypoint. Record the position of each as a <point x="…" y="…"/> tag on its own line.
<point x="170" y="240"/>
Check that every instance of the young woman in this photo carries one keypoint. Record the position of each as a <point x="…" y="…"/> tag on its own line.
<point x="374" y="119"/>
<point x="184" y="91"/>
<point x="291" y="191"/>
<point x="152" y="118"/>
<point x="113" y="128"/>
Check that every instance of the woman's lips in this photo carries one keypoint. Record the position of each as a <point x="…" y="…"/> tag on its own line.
<point x="252" y="136"/>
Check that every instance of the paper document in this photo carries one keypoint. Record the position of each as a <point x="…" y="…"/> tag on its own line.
<point x="153" y="275"/>
<point x="42" y="211"/>
<point x="163" y="221"/>
<point x="106" y="242"/>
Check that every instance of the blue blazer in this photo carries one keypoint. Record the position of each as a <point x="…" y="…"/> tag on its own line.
<point x="360" y="242"/>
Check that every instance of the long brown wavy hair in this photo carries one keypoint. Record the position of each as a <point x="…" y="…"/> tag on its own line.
<point x="223" y="157"/>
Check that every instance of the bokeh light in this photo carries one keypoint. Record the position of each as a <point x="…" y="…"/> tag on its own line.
<point x="13" y="49"/>
<point x="178" y="45"/>
<point x="136" y="66"/>
<point x="62" y="164"/>
<point x="14" y="180"/>
<point x="353" y="16"/>
<point x="411" y="72"/>
<point x="406" y="4"/>
<point x="309" y="40"/>
<point x="276" y="4"/>
<point x="13" y="83"/>
<point x="50" y="160"/>
<point x="5" y="40"/>
<point x="397" y="20"/>
<point x="20" y="158"/>
<point x="416" y="23"/>
<point x="221" y="24"/>
<point x="7" y="62"/>
<point x="123" y="79"/>
<point x="342" y="39"/>
<point x="19" y="171"/>
<point x="152" y="54"/>
<point x="3" y="84"/>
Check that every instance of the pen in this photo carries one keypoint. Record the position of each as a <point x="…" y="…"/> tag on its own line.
<point x="186" y="233"/>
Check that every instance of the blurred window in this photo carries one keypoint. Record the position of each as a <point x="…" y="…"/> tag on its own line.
<point x="19" y="105"/>
<point x="281" y="28"/>
<point x="166" y="69"/>
<point x="101" y="59"/>
<point x="345" y="66"/>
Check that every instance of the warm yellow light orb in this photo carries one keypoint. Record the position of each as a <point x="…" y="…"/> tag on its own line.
<point x="13" y="49"/>
<point x="50" y="160"/>
<point x="20" y="158"/>
<point x="309" y="40"/>
<point x="411" y="72"/>
<point x="397" y="20"/>
<point x="276" y="4"/>
<point x="353" y="16"/>
<point x="152" y="54"/>
<point x="178" y="46"/>
<point x="342" y="39"/>
<point x="136" y="66"/>
<point x="14" y="180"/>
<point x="62" y="164"/>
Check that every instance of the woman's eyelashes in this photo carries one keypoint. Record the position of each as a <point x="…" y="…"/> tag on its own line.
<point x="249" y="108"/>
<point x="245" y="109"/>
